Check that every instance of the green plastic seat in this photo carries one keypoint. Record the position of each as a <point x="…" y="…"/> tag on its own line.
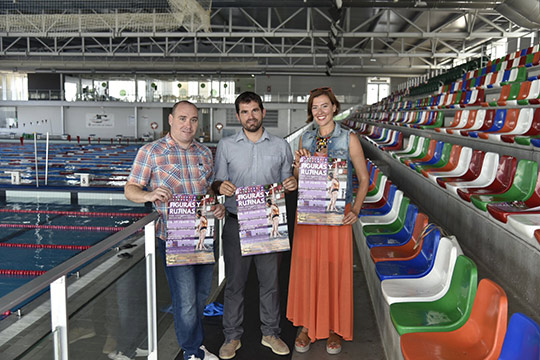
<point x="445" y="314"/>
<point x="445" y="156"/>
<point x="392" y="228"/>
<point x="425" y="148"/>
<point x="396" y="154"/>
<point x="522" y="187"/>
<point x="378" y="181"/>
<point x="439" y="122"/>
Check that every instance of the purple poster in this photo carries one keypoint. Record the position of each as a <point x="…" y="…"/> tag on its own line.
<point x="322" y="185"/>
<point x="190" y="230"/>
<point x="262" y="219"/>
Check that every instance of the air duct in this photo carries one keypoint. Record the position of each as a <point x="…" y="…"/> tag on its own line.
<point x="525" y="13"/>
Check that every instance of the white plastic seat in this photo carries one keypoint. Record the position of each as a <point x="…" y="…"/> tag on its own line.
<point x="478" y="121"/>
<point x="461" y="168"/>
<point x="524" y="123"/>
<point x="462" y="122"/>
<point x="409" y="147"/>
<point x="431" y="287"/>
<point x="486" y="177"/>
<point x="525" y="224"/>
<point x="387" y="218"/>
<point x="418" y="150"/>
<point x="379" y="194"/>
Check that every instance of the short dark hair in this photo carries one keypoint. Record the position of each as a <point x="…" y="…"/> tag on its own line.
<point x="318" y="92"/>
<point x="245" y="98"/>
<point x="183" y="102"/>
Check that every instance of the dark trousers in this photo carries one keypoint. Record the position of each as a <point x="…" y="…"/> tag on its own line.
<point x="236" y="273"/>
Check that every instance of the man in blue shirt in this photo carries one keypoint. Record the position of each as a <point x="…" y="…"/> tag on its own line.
<point x="251" y="157"/>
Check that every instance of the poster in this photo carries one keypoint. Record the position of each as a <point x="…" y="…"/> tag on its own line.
<point x="262" y="219"/>
<point x="190" y="230"/>
<point x="322" y="186"/>
<point x="99" y="120"/>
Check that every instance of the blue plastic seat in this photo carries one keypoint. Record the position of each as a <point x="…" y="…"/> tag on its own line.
<point x="400" y="237"/>
<point x="416" y="267"/>
<point x="522" y="340"/>
<point x="385" y="209"/>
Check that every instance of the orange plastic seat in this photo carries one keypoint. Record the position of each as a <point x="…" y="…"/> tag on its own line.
<point x="408" y="250"/>
<point x="481" y="337"/>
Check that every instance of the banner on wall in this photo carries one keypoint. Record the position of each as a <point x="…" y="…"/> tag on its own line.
<point x="322" y="185"/>
<point x="190" y="230"/>
<point x="262" y="219"/>
<point x="99" y="120"/>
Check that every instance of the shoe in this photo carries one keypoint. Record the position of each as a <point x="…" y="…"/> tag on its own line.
<point x="193" y="357"/>
<point x="110" y="345"/>
<point x="228" y="349"/>
<point x="333" y="344"/>
<point x="302" y="342"/>
<point x="118" y="355"/>
<point x="141" y="352"/>
<point x="276" y="344"/>
<point x="78" y="333"/>
<point x="208" y="355"/>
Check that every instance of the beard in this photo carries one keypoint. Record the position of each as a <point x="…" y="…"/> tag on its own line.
<point x="253" y="127"/>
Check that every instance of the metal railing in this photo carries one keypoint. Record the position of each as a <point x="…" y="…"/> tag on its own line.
<point x="56" y="279"/>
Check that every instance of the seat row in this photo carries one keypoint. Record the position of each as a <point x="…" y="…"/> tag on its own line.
<point x="431" y="288"/>
<point x="505" y="188"/>
<point x="515" y="125"/>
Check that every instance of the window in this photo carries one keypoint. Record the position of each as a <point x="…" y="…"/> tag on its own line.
<point x="270" y="120"/>
<point x="8" y="117"/>
<point x="377" y="89"/>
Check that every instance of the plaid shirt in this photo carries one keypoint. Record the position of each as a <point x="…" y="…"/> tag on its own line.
<point x="184" y="171"/>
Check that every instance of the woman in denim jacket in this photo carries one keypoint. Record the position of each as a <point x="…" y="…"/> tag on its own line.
<point x="321" y="277"/>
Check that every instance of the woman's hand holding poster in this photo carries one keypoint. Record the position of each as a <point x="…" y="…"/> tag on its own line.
<point x="322" y="185"/>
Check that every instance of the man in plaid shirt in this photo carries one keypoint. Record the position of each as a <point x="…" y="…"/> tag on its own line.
<point x="177" y="164"/>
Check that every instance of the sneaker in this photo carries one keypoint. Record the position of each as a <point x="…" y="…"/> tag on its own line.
<point x="276" y="344"/>
<point x="141" y="352"/>
<point x="118" y="355"/>
<point x="208" y="355"/>
<point x="228" y="349"/>
<point x="76" y="334"/>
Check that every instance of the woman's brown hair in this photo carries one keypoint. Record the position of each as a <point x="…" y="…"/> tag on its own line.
<point x="318" y="92"/>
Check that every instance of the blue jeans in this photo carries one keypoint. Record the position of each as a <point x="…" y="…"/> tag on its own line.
<point x="190" y="287"/>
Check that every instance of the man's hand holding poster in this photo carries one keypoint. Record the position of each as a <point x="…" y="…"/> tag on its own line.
<point x="190" y="230"/>
<point x="262" y="219"/>
<point x="322" y="185"/>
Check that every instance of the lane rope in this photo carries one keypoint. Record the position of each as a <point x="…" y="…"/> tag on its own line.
<point x="62" y="227"/>
<point x="74" y="213"/>
<point x="46" y="246"/>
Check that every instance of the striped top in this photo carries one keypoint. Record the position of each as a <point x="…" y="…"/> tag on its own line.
<point x="184" y="171"/>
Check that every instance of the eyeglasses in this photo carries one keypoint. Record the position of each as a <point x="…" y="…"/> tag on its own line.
<point x="320" y="89"/>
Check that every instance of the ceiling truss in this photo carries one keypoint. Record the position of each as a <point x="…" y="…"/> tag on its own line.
<point x="386" y="41"/>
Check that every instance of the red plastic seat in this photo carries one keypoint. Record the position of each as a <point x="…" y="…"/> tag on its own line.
<point x="503" y="180"/>
<point x="500" y="211"/>
<point x="475" y="167"/>
<point x="534" y="130"/>
<point x="480" y="338"/>
<point x="408" y="250"/>
<point x="452" y="163"/>
<point x="510" y="122"/>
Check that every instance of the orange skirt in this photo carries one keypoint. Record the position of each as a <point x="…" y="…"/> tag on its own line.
<point x="321" y="280"/>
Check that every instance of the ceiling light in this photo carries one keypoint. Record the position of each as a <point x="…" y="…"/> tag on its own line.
<point x="372" y="59"/>
<point x="420" y="3"/>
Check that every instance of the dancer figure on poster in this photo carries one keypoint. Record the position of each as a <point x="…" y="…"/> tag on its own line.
<point x="333" y="191"/>
<point x="273" y="216"/>
<point x="202" y="227"/>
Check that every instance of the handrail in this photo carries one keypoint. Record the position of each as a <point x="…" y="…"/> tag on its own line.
<point x="31" y="288"/>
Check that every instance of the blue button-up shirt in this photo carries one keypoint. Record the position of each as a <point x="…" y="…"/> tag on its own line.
<point x="245" y="163"/>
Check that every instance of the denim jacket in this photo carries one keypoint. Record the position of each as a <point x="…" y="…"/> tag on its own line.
<point x="338" y="147"/>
